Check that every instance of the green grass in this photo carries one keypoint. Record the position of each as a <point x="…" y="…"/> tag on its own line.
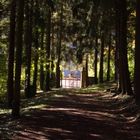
<point x="98" y="87"/>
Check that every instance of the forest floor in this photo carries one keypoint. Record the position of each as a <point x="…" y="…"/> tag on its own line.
<point x="72" y="114"/>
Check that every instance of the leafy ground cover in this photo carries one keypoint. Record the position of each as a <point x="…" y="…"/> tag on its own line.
<point x="73" y="114"/>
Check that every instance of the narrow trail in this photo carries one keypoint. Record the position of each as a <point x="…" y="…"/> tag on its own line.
<point x="96" y="116"/>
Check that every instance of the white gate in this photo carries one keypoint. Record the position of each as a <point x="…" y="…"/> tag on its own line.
<point x="71" y="79"/>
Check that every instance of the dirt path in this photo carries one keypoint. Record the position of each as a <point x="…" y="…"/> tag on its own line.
<point x="83" y="116"/>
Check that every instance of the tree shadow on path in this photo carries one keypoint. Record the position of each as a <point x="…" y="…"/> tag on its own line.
<point x="74" y="116"/>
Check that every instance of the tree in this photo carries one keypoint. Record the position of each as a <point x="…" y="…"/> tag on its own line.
<point x="101" y="59"/>
<point x="108" y="59"/>
<point x="125" y="85"/>
<point x="28" y="45"/>
<point x="10" y="81"/>
<point x="36" y="45"/>
<point x="19" y="44"/>
<point x="48" y="43"/>
<point x="59" y="48"/>
<point x="96" y="59"/>
<point x="137" y="55"/>
<point x="42" y="61"/>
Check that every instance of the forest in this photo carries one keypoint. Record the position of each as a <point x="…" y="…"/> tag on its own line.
<point x="41" y="40"/>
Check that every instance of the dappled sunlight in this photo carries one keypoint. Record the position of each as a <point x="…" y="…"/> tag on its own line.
<point x="56" y="95"/>
<point x="87" y="114"/>
<point x="34" y="107"/>
<point x="3" y="111"/>
<point x="69" y="69"/>
<point x="27" y="133"/>
<point x="96" y="135"/>
<point x="67" y="114"/>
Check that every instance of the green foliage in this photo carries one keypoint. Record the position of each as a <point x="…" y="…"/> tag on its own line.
<point x="83" y="20"/>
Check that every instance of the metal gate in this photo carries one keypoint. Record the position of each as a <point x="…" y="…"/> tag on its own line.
<point x="71" y="83"/>
<point x="71" y="80"/>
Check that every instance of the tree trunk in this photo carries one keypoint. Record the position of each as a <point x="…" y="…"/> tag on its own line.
<point x="53" y="56"/>
<point x="10" y="81"/>
<point x="59" y="51"/>
<point x="96" y="61"/>
<point x="101" y="60"/>
<point x="124" y="72"/>
<point x="35" y="75"/>
<point x="108" y="61"/>
<point x="86" y="66"/>
<point x="36" y="45"/>
<point x="137" y="56"/>
<point x="42" y="61"/>
<point x="19" y="44"/>
<point x="28" y="46"/>
<point x="48" y="40"/>
<point x="117" y="55"/>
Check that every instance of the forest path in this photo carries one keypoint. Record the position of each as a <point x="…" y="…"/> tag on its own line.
<point x="72" y="115"/>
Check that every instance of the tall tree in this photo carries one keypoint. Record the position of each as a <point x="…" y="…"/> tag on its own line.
<point x="35" y="73"/>
<point x="48" y="43"/>
<point x="96" y="60"/>
<point x="19" y="44"/>
<point x="36" y="46"/>
<point x="137" y="55"/>
<point x="109" y="56"/>
<point x="28" y="45"/>
<point x="101" y="59"/>
<point x="124" y="76"/>
<point x="117" y="43"/>
<point x="59" y="48"/>
<point x="116" y="51"/>
<point x="10" y="81"/>
<point x="42" y="60"/>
